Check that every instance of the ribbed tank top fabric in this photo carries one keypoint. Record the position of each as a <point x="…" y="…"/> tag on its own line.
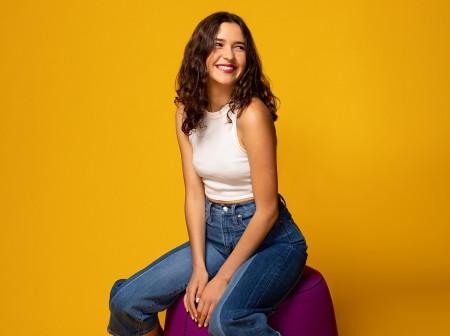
<point x="219" y="159"/>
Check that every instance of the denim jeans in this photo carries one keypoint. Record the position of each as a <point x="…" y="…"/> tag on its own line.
<point x="253" y="293"/>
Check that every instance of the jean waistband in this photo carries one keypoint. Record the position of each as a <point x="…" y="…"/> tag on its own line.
<point x="235" y="206"/>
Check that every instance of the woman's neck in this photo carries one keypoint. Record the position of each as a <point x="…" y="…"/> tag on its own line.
<point x="218" y="97"/>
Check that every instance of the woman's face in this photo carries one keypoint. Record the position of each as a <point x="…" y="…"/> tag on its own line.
<point x="226" y="62"/>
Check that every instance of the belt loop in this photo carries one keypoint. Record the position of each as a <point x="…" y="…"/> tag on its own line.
<point x="208" y="209"/>
<point x="233" y="209"/>
<point x="281" y="199"/>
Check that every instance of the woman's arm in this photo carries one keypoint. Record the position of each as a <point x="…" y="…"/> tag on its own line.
<point x="258" y="136"/>
<point x="257" y="133"/>
<point x="194" y="209"/>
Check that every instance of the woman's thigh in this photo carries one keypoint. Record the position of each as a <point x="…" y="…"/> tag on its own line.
<point x="261" y="283"/>
<point x="157" y="286"/>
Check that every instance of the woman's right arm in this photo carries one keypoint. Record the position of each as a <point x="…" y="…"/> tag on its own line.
<point x="194" y="208"/>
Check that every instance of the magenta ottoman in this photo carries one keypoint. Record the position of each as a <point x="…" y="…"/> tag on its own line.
<point x="306" y="311"/>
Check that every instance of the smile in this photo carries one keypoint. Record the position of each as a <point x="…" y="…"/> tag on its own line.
<point x="226" y="68"/>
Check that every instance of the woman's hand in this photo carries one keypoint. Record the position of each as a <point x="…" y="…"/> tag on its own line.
<point x="208" y="300"/>
<point x="194" y="291"/>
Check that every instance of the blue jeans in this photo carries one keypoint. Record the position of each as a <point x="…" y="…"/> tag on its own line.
<point x="253" y="293"/>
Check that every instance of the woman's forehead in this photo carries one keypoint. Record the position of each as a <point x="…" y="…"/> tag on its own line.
<point x="229" y="30"/>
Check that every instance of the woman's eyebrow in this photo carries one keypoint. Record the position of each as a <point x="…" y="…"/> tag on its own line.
<point x="237" y="42"/>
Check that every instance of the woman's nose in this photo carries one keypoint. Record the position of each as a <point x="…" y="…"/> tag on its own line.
<point x="228" y="54"/>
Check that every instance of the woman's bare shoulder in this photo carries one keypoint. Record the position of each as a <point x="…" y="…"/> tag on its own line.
<point x="255" y="113"/>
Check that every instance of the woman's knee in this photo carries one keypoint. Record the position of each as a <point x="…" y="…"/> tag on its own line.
<point x="130" y="310"/>
<point x="118" y="299"/>
<point x="115" y="288"/>
<point x="123" y="302"/>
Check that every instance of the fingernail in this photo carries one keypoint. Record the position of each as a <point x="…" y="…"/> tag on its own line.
<point x="199" y="325"/>
<point x="206" y="325"/>
<point x="197" y="300"/>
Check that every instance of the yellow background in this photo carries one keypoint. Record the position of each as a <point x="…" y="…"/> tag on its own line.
<point x="90" y="180"/>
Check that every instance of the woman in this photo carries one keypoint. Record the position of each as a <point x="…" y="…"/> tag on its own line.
<point x="245" y="252"/>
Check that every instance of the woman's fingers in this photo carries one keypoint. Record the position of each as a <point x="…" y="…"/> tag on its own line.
<point x="194" y="292"/>
<point x="208" y="317"/>
<point x="191" y="302"/>
<point x="185" y="302"/>
<point x="204" y="312"/>
<point x="198" y="296"/>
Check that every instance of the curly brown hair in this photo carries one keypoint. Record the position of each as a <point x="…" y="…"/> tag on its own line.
<point x="191" y="80"/>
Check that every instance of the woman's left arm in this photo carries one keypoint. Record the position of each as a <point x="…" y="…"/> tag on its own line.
<point x="257" y="134"/>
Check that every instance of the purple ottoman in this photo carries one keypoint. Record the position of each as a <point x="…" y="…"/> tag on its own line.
<point x="306" y="311"/>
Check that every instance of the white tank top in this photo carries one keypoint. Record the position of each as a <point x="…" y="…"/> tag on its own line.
<point x="219" y="159"/>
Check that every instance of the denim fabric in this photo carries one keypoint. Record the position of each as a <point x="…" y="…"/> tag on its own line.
<point x="253" y="293"/>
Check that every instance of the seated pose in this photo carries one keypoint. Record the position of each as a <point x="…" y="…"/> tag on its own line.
<point x="244" y="253"/>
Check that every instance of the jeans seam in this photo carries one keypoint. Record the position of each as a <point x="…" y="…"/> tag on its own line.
<point x="224" y="239"/>
<point x="279" y="267"/>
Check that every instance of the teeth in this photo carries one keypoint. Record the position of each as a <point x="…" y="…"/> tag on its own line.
<point x="223" y="67"/>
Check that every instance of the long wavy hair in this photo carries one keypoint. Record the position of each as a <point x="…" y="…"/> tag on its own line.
<point x="191" y="81"/>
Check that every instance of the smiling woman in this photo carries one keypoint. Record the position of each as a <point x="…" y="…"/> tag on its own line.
<point x="227" y="61"/>
<point x="245" y="253"/>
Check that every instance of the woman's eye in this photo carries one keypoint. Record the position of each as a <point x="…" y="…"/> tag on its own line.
<point x="240" y="47"/>
<point x="217" y="44"/>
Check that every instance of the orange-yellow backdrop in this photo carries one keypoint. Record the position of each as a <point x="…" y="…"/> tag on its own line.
<point x="90" y="181"/>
